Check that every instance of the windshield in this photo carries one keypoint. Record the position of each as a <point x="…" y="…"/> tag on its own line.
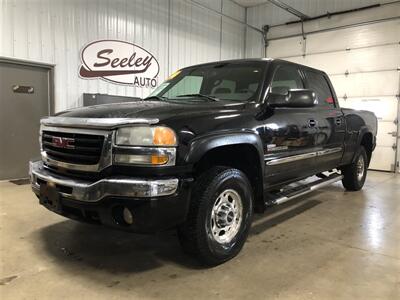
<point x="223" y="81"/>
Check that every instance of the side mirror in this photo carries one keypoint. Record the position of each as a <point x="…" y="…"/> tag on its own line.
<point x="293" y="98"/>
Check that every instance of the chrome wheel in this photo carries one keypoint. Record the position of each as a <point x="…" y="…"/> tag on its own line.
<point x="226" y="216"/>
<point x="360" y="168"/>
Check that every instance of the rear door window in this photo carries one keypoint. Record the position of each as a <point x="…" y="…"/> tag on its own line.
<point x="318" y="83"/>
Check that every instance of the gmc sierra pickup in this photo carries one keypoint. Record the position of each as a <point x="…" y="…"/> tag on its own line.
<point x="210" y="146"/>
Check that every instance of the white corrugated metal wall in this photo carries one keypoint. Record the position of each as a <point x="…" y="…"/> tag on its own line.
<point x="254" y="44"/>
<point x="177" y="32"/>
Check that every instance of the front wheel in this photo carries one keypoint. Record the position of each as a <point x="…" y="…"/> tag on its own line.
<point x="355" y="173"/>
<point x="219" y="216"/>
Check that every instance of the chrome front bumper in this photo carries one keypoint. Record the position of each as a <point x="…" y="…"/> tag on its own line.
<point x="95" y="191"/>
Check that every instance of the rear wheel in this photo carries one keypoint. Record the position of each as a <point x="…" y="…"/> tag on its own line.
<point x="356" y="172"/>
<point x="219" y="216"/>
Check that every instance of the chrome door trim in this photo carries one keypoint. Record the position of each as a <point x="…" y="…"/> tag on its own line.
<point x="99" y="123"/>
<point x="329" y="151"/>
<point x="288" y="159"/>
<point x="293" y="158"/>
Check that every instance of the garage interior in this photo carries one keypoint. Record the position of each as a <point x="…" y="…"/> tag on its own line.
<point x="330" y="244"/>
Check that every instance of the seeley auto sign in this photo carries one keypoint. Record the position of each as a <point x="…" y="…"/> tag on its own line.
<point x="119" y="62"/>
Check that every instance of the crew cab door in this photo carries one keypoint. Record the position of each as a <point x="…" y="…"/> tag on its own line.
<point x="290" y="133"/>
<point x="330" y="121"/>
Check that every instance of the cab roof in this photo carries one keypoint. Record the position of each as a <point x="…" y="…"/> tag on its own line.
<point x="246" y="60"/>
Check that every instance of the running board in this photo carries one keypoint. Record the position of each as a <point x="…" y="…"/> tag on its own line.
<point x="294" y="192"/>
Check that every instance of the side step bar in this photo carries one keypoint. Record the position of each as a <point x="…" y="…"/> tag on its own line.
<point x="294" y="192"/>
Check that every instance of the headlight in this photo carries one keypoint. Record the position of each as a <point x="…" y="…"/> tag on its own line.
<point x="146" y="136"/>
<point x="151" y="146"/>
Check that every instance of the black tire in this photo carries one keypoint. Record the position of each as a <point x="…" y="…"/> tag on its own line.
<point x="353" y="180"/>
<point x="197" y="235"/>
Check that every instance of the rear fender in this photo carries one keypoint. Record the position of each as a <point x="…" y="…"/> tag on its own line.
<point x="363" y="131"/>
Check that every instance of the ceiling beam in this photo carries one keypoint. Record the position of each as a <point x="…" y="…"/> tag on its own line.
<point x="289" y="9"/>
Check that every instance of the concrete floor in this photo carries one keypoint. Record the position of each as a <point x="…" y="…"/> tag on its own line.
<point x="330" y="244"/>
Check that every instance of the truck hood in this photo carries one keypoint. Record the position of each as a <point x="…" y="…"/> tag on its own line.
<point x="161" y="110"/>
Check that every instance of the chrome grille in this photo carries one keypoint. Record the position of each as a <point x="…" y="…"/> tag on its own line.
<point x="73" y="148"/>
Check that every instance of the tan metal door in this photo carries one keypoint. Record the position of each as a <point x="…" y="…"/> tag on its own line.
<point x="24" y="99"/>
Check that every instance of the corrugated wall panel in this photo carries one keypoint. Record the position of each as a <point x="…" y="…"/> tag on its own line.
<point x="233" y="10"/>
<point x="232" y="39"/>
<point x="254" y="43"/>
<point x="267" y="14"/>
<point x="195" y="35"/>
<point x="213" y="4"/>
<point x="178" y="32"/>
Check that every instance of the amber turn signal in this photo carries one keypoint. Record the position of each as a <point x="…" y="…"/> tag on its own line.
<point x="159" y="159"/>
<point x="164" y="136"/>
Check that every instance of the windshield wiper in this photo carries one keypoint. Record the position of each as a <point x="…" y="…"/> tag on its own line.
<point x="156" y="97"/>
<point x="201" y="96"/>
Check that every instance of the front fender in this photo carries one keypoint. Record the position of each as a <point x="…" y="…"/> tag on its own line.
<point x="201" y="145"/>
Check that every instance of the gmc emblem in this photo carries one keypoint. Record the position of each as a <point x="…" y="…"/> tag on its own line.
<point x="62" y="142"/>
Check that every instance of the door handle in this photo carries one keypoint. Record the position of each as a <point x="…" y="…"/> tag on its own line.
<point x="312" y="123"/>
<point x="338" y="121"/>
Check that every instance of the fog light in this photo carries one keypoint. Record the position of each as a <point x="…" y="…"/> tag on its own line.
<point x="128" y="217"/>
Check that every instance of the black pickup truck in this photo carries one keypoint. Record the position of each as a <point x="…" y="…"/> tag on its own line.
<point x="210" y="146"/>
